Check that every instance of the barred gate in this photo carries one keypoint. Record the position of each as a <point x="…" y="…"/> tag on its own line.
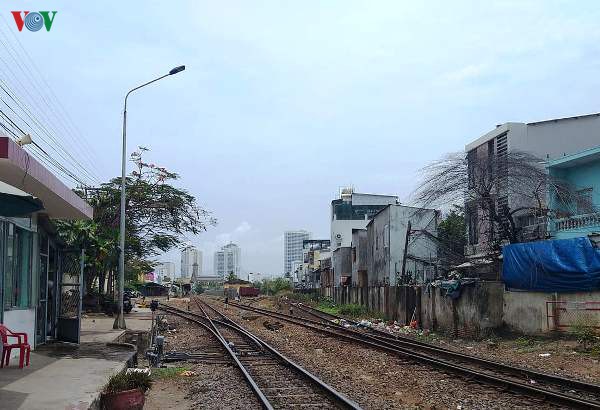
<point x="562" y="315"/>
<point x="70" y="289"/>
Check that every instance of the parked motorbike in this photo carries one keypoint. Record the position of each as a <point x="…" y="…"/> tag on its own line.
<point x="127" y="304"/>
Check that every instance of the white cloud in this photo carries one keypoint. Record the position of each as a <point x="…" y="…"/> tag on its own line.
<point x="466" y="73"/>
<point x="242" y="228"/>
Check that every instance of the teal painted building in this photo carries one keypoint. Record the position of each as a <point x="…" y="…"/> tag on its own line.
<point x="581" y="215"/>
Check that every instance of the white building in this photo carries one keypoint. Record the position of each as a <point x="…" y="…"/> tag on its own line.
<point x="292" y="248"/>
<point x="227" y="260"/>
<point x="191" y="262"/>
<point x="353" y="210"/>
<point x="164" y="269"/>
<point x="392" y="257"/>
<point x="350" y="211"/>
<point x="547" y="140"/>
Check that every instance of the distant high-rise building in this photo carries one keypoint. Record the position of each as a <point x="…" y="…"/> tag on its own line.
<point x="191" y="261"/>
<point x="292" y="248"/>
<point x="164" y="270"/>
<point x="227" y="260"/>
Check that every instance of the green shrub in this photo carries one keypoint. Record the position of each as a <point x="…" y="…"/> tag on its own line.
<point x="353" y="310"/>
<point x="525" y="342"/>
<point x="273" y="286"/>
<point x="327" y="302"/>
<point x="128" y="381"/>
<point x="306" y="298"/>
<point x="584" y="331"/>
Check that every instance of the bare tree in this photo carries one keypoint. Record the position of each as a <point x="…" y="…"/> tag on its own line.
<point x="496" y="191"/>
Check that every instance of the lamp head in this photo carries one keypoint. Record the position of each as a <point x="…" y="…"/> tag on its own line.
<point x="24" y="140"/>
<point x="177" y="70"/>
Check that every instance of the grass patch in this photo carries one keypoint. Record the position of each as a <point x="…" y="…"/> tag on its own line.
<point x="349" y="310"/>
<point x="524" y="342"/>
<point x="163" y="373"/>
<point x="353" y="310"/>
<point x="306" y="298"/>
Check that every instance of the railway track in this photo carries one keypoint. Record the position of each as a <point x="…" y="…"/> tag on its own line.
<point x="277" y="382"/>
<point x="548" y="388"/>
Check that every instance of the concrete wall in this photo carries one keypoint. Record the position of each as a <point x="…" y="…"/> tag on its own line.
<point x="553" y="138"/>
<point x="527" y="312"/>
<point x="473" y="315"/>
<point x="481" y="308"/>
<point x="478" y="310"/>
<point x="386" y="240"/>
<point x="556" y="138"/>
<point x="420" y="246"/>
<point x="341" y="231"/>
<point x="359" y="255"/>
<point x="378" y="257"/>
<point x="21" y="320"/>
<point x="342" y="263"/>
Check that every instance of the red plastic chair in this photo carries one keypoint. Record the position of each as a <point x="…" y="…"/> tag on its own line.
<point x="22" y="345"/>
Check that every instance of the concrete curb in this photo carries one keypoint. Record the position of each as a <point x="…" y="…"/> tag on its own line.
<point x="131" y="361"/>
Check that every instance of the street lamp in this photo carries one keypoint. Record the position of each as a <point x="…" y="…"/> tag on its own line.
<point x="120" y="319"/>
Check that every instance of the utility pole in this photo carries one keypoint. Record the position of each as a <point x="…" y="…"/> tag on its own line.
<point x="120" y="319"/>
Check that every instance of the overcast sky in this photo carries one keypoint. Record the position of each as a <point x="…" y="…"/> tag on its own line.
<point x="283" y="102"/>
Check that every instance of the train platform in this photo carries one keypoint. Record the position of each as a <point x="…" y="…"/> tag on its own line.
<point x="70" y="377"/>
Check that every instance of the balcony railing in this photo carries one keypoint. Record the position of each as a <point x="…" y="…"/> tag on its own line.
<point x="578" y="222"/>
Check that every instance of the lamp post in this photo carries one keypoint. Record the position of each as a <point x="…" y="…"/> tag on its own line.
<point x="120" y="319"/>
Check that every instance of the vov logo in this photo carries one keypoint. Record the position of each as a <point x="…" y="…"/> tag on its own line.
<point x="35" y="20"/>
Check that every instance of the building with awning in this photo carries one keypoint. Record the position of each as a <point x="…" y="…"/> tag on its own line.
<point x="20" y="170"/>
<point x="14" y="202"/>
<point x="41" y="280"/>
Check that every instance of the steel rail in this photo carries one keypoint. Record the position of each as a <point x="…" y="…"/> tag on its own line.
<point x="253" y="385"/>
<point x="330" y="391"/>
<point x="337" y="396"/>
<point x="406" y="341"/>
<point x="557" y="397"/>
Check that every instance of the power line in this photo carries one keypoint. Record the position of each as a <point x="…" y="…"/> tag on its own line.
<point x="22" y="132"/>
<point x="47" y="160"/>
<point x="56" y="143"/>
<point x="76" y="140"/>
<point x="24" y="108"/>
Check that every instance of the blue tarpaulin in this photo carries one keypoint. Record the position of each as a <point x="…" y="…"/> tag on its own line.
<point x="563" y="265"/>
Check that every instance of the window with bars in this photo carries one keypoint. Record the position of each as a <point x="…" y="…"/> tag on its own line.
<point x="471" y="159"/>
<point x="583" y="200"/>
<point x="16" y="246"/>
<point x="501" y="160"/>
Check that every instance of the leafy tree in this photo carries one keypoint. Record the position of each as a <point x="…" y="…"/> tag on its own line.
<point x="273" y="286"/>
<point x="452" y="235"/>
<point x="159" y="215"/>
<point x="231" y="276"/>
<point x="100" y="251"/>
<point x="198" y="289"/>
